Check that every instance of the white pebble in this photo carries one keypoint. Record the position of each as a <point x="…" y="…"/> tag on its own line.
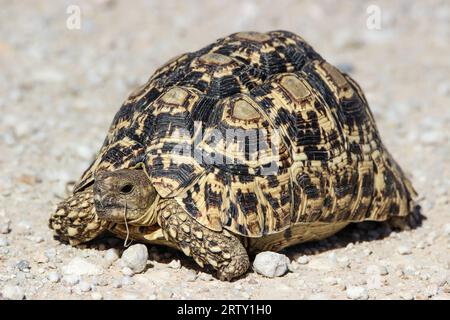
<point x="404" y="250"/>
<point x="271" y="264"/>
<point x="447" y="229"/>
<point x="71" y="279"/>
<point x="175" y="264"/>
<point x="127" y="281"/>
<point x="12" y="292"/>
<point x="357" y="293"/>
<point x="96" y="295"/>
<point x="53" y="277"/>
<point x="3" y="241"/>
<point x="135" y="257"/>
<point x="377" y="270"/>
<point x="374" y="282"/>
<point x="84" y="286"/>
<point x="80" y="266"/>
<point x="112" y="255"/>
<point x="303" y="260"/>
<point x="5" y="226"/>
<point x="127" y="271"/>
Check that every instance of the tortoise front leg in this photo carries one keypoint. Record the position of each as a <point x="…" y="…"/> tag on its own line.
<point x="220" y="249"/>
<point x="75" y="219"/>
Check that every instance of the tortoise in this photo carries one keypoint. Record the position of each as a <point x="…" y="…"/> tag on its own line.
<point x="251" y="143"/>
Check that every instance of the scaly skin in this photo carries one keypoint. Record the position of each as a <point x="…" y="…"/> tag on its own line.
<point x="75" y="220"/>
<point x="220" y="249"/>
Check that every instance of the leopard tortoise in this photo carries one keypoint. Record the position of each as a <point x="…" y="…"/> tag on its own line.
<point x="252" y="143"/>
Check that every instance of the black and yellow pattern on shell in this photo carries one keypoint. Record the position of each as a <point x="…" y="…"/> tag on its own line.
<point x="331" y="163"/>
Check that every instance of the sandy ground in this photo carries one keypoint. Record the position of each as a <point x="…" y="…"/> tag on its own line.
<point x="60" y="88"/>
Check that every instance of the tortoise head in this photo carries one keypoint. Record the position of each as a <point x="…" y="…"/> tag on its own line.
<point x="125" y="194"/>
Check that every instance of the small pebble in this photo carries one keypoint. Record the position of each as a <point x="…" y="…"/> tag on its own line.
<point x="406" y="296"/>
<point x="343" y="262"/>
<point x="71" y="279"/>
<point x="175" y="264"/>
<point x="447" y="229"/>
<point x="3" y="241"/>
<point x="53" y="277"/>
<point x="357" y="293"/>
<point x="404" y="250"/>
<point x="84" y="286"/>
<point x="39" y="257"/>
<point x="80" y="266"/>
<point x="127" y="281"/>
<point x="135" y="257"/>
<point x="271" y="264"/>
<point x="96" y="295"/>
<point x="190" y="276"/>
<point x="374" y="282"/>
<point x="112" y="255"/>
<point x="5" y="227"/>
<point x="23" y="265"/>
<point x="303" y="260"/>
<point x="330" y="281"/>
<point x="12" y="292"/>
<point x="377" y="270"/>
<point x="127" y="271"/>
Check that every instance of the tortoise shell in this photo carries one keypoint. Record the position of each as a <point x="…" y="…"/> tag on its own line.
<point x="311" y="151"/>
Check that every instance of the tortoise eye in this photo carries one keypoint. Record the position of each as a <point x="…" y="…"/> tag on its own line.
<point x="126" y="189"/>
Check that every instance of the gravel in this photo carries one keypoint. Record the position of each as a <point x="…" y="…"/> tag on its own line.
<point x="5" y="226"/>
<point x="271" y="264"/>
<point x="54" y="277"/>
<point x="135" y="257"/>
<point x="174" y="264"/>
<point x="404" y="249"/>
<point x="11" y="292"/>
<point x="377" y="270"/>
<point x="84" y="286"/>
<point x="3" y="241"/>
<point x="96" y="295"/>
<point x="71" y="279"/>
<point x="112" y="255"/>
<point x="357" y="293"/>
<point x="303" y="260"/>
<point x="80" y="266"/>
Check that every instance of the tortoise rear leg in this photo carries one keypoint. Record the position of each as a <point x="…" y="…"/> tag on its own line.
<point x="408" y="222"/>
<point x="220" y="249"/>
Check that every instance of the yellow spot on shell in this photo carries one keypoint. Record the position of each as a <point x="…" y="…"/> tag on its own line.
<point x="226" y="255"/>
<point x="244" y="111"/>
<point x="175" y="96"/>
<point x="295" y="87"/>
<point x="182" y="216"/>
<point x="253" y="36"/>
<point x="215" y="59"/>
<point x="335" y="74"/>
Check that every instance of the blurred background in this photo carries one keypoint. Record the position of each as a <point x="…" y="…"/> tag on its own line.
<point x="66" y="67"/>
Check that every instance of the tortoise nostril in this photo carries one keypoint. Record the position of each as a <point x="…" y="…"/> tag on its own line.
<point x="126" y="189"/>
